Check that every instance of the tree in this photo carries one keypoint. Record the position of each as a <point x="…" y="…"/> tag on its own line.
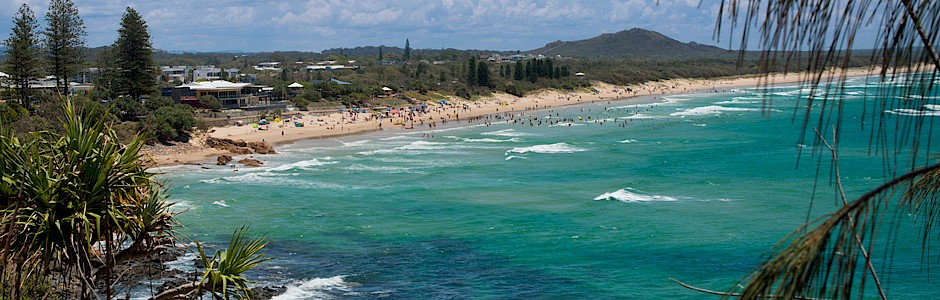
<point x="171" y="123"/>
<point x="210" y="102"/>
<point x="65" y="37"/>
<point x="380" y="54"/>
<point x="407" y="50"/>
<point x="22" y="63"/>
<point x="833" y="256"/>
<point x="134" y="56"/>
<point x="106" y="83"/>
<point x="519" y="72"/>
<point x="483" y="74"/>
<point x="472" y="71"/>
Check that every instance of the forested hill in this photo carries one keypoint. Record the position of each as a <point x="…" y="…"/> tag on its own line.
<point x="633" y="43"/>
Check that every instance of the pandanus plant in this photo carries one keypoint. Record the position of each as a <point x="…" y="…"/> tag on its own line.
<point x="68" y="200"/>
<point x="223" y="275"/>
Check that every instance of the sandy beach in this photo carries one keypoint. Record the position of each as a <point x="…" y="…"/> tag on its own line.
<point x="456" y="110"/>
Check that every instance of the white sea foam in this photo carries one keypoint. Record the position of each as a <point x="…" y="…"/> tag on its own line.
<point x="273" y="179"/>
<point x="507" y="133"/>
<point x="183" y="262"/>
<point x="629" y="141"/>
<point x="741" y="100"/>
<point x="565" y="124"/>
<point x="220" y="203"/>
<point x="710" y="110"/>
<point x="355" y="143"/>
<point x="699" y="125"/>
<point x="303" y="165"/>
<point x="639" y="117"/>
<point x="511" y="157"/>
<point x="316" y="288"/>
<point x="401" y="137"/>
<point x="914" y="112"/>
<point x="547" y="149"/>
<point x="468" y="140"/>
<point x="630" y="195"/>
<point x="381" y="169"/>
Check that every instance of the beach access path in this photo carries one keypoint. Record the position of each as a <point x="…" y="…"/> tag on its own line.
<point x="457" y="110"/>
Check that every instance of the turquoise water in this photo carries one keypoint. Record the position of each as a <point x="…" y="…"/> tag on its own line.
<point x="693" y="187"/>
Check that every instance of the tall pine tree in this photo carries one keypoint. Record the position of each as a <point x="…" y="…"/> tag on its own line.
<point x="519" y="72"/>
<point x="483" y="74"/>
<point x="65" y="38"/>
<point x="472" y="71"/>
<point x="135" y="56"/>
<point x="22" y="52"/>
<point x="407" y="50"/>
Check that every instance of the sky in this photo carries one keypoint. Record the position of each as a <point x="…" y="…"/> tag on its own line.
<point x="316" y="25"/>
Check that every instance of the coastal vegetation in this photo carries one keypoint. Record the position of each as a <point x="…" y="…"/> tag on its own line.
<point x="77" y="203"/>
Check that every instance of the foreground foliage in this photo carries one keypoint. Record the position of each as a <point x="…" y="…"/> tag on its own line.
<point x="69" y="200"/>
<point x="223" y="275"/>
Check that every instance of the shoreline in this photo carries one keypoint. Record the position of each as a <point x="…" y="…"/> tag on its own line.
<point x="457" y="110"/>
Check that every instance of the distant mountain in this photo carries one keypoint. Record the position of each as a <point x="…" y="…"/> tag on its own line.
<point x="633" y="43"/>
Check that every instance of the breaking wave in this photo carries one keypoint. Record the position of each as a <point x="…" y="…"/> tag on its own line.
<point x="507" y="133"/>
<point x="629" y="195"/>
<point x="547" y="149"/>
<point x="710" y="110"/>
<point x="316" y="288"/>
<point x="303" y="165"/>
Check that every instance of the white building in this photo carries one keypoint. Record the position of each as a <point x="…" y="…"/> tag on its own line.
<point x="329" y="67"/>
<point x="269" y="66"/>
<point x="212" y="73"/>
<point x="174" y="73"/>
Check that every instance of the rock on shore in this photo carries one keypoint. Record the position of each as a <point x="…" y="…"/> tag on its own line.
<point x="240" y="146"/>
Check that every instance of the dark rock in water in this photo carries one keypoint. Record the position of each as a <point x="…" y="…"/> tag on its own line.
<point x="223" y="160"/>
<point x="268" y="292"/>
<point x="251" y="162"/>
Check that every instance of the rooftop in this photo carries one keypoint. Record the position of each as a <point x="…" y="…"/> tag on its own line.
<point x="214" y="85"/>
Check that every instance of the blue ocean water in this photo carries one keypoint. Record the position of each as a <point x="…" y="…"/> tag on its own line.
<point x="600" y="201"/>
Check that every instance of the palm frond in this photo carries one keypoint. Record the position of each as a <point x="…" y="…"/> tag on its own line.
<point x="827" y="258"/>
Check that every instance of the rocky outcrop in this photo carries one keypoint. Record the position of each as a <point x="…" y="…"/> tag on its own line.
<point x="251" y="162"/>
<point x="261" y="147"/>
<point x="268" y="292"/>
<point x="223" y="160"/>
<point x="240" y="146"/>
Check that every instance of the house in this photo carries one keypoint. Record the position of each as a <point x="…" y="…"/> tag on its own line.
<point x="175" y="73"/>
<point x="333" y="80"/>
<point x="295" y="89"/>
<point x="47" y="83"/>
<point x="212" y="73"/>
<point x="330" y="67"/>
<point x="387" y="92"/>
<point x="268" y="66"/>
<point x="232" y="95"/>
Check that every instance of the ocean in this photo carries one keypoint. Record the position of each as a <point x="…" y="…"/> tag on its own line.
<point x="595" y="201"/>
